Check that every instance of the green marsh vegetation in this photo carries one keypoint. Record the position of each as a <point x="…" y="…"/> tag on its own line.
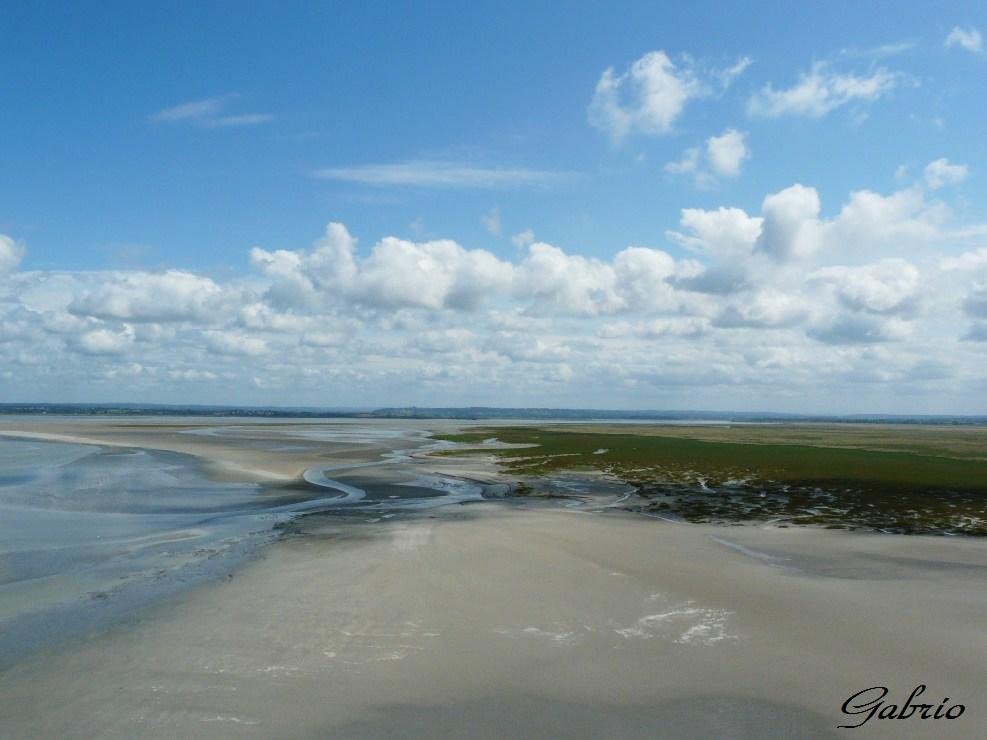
<point x="908" y="480"/>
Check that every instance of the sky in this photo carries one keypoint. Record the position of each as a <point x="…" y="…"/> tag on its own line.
<point x="756" y="206"/>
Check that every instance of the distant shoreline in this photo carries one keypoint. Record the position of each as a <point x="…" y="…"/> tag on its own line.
<point x="475" y="413"/>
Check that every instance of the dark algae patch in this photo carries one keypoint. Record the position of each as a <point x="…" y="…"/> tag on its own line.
<point x="699" y="480"/>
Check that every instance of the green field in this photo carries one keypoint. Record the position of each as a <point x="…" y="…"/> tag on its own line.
<point x="901" y="480"/>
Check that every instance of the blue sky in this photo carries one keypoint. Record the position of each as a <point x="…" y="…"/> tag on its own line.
<point x="138" y="139"/>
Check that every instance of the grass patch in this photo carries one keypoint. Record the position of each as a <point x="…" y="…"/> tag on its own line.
<point x="703" y="480"/>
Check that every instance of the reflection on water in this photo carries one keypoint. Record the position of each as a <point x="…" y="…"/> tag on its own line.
<point x="79" y="524"/>
<point x="88" y="534"/>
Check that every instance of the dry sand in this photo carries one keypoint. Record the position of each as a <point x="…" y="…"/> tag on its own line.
<point x="531" y="620"/>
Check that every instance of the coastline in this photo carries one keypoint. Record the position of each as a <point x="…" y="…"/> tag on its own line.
<point x="101" y="560"/>
<point x="529" y="617"/>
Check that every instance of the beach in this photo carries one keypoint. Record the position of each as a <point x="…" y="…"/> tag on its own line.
<point x="490" y="617"/>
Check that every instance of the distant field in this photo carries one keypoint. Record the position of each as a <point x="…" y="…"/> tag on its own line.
<point x="946" y="441"/>
<point x="904" y="479"/>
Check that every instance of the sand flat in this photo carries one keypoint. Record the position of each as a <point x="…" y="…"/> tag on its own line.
<point x="521" y="618"/>
<point x="235" y="449"/>
<point x="534" y="622"/>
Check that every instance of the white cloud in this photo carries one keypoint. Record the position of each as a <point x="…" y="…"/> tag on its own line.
<point x="942" y="172"/>
<point x="195" y="110"/>
<point x="966" y="38"/>
<point x="646" y="99"/>
<point x="897" y="221"/>
<point x="728" y="75"/>
<point x="443" y="340"/>
<point x="11" y="254"/>
<point x="438" y="274"/>
<point x="690" y="163"/>
<point x="439" y="174"/>
<point x="262" y="317"/>
<point x="235" y="343"/>
<point x="651" y="94"/>
<point x="209" y="113"/>
<point x="727" y="152"/>
<point x="523" y="238"/>
<point x="140" y="296"/>
<point x="300" y="278"/>
<point x="124" y="371"/>
<point x="676" y="326"/>
<point x="526" y="348"/>
<point x="968" y="261"/>
<point x="643" y="276"/>
<point x="724" y="234"/>
<point x="435" y="275"/>
<point x="571" y="284"/>
<point x="790" y="229"/>
<point x="820" y="91"/>
<point x="767" y="309"/>
<point x="192" y="375"/>
<point x="887" y="287"/>
<point x="885" y="280"/>
<point x="722" y="157"/>
<point x="103" y="341"/>
<point x="491" y="221"/>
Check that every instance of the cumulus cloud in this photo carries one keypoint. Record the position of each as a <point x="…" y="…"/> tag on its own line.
<point x="790" y="229"/>
<point x="722" y="157"/>
<point x="821" y="90"/>
<point x="397" y="273"/>
<point x="438" y="274"/>
<point x="727" y="152"/>
<point x="740" y="252"/>
<point x="11" y="254"/>
<point x="965" y="38"/>
<point x="738" y="300"/>
<point x="900" y="220"/>
<point x="556" y="281"/>
<point x="139" y="296"/>
<point x="302" y="278"/>
<point x="651" y="94"/>
<point x="942" y="172"/>
<point x="103" y="341"/>
<point x="887" y="287"/>
<point x="724" y="233"/>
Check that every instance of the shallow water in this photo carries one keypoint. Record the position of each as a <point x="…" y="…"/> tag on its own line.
<point x="89" y="534"/>
<point x="80" y="523"/>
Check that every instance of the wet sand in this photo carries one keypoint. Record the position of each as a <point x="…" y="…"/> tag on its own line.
<point x="253" y="450"/>
<point x="532" y="619"/>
